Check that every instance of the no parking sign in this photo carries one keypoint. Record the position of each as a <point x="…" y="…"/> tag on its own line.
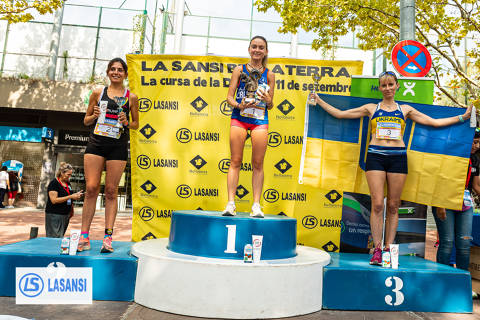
<point x="411" y="59"/>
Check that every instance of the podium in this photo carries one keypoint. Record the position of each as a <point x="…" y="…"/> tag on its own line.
<point x="199" y="272"/>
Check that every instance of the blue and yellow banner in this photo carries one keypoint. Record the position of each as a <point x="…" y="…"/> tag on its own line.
<point x="180" y="153"/>
<point x="437" y="157"/>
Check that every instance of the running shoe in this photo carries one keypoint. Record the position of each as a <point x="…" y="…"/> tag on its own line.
<point x="377" y="257"/>
<point x="256" y="211"/>
<point x="83" y="244"/>
<point x="230" y="210"/>
<point x="107" y="245"/>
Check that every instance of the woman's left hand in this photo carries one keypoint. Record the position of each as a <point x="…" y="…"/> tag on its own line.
<point x="122" y="118"/>
<point x="467" y="113"/>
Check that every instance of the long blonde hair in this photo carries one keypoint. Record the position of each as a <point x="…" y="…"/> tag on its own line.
<point x="64" y="167"/>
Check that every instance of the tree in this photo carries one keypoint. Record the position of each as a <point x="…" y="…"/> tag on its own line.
<point x="441" y="25"/>
<point x="18" y="10"/>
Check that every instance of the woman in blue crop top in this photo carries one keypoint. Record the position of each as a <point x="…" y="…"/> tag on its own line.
<point x="249" y="114"/>
<point x="387" y="157"/>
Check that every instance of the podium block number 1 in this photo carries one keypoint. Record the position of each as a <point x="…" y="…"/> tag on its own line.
<point x="232" y="234"/>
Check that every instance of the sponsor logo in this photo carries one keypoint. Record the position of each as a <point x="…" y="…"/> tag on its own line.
<point x="333" y="196"/>
<point x="309" y="222"/>
<point x="55" y="284"/>
<point x="271" y="195"/>
<point x="199" y="104"/>
<point x="294" y="196"/>
<point x="146" y="213"/>
<point x="149" y="236"/>
<point x="283" y="166"/>
<point x="184" y="191"/>
<point x="198" y="162"/>
<point x="148" y="187"/>
<point x="143" y="161"/>
<point x="223" y="165"/>
<point x="285" y="108"/>
<point x="330" y="247"/>
<point x="184" y="135"/>
<point x="241" y="192"/>
<point x="144" y="104"/>
<point x="293" y="140"/>
<point x="274" y="139"/>
<point x="225" y="108"/>
<point x="165" y="163"/>
<point x="147" y="131"/>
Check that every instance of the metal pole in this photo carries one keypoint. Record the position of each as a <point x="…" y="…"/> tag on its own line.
<point x="163" y="35"/>
<point x="294" y="45"/>
<point x="144" y="28"/>
<point x="154" y="28"/>
<point x="179" y="14"/>
<point x="96" y="43"/>
<point x="208" y="33"/>
<point x="251" y="19"/>
<point x="407" y="20"/>
<point x="55" y="43"/>
<point x="4" y="49"/>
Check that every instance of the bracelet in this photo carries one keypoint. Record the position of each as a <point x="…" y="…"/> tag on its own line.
<point x="460" y="118"/>
<point x="126" y="125"/>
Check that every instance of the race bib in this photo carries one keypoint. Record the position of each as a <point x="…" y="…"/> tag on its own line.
<point x="107" y="130"/>
<point x="253" y="113"/>
<point x="389" y="130"/>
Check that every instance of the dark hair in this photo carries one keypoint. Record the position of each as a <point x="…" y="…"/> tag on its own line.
<point x="4" y="168"/>
<point x="387" y="74"/>
<point x="477" y="133"/>
<point x="120" y="60"/>
<point x="264" y="60"/>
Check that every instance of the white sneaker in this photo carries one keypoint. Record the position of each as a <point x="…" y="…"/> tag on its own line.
<point x="256" y="211"/>
<point x="230" y="210"/>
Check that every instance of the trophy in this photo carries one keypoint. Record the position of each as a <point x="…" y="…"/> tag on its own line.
<point x="120" y="101"/>
<point x="316" y="78"/>
<point x="251" y="84"/>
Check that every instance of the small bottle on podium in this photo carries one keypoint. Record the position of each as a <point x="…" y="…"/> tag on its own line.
<point x="247" y="253"/>
<point x="386" y="259"/>
<point x="65" y="245"/>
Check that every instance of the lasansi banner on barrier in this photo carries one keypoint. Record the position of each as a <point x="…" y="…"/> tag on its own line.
<point x="180" y="153"/>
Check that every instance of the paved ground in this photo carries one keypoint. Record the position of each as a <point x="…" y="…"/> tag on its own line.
<point x="15" y="226"/>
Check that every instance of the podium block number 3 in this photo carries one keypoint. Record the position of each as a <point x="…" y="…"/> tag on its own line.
<point x="397" y="285"/>
<point x="231" y="235"/>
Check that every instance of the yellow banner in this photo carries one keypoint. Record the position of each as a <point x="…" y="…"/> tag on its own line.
<point x="180" y="153"/>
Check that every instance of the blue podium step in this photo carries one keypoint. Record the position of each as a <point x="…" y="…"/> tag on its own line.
<point x="209" y="234"/>
<point x="419" y="285"/>
<point x="114" y="274"/>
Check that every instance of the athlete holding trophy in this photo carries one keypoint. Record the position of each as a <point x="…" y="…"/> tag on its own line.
<point x="251" y="94"/>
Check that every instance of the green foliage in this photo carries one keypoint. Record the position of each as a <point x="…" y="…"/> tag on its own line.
<point x="15" y="11"/>
<point x="441" y="25"/>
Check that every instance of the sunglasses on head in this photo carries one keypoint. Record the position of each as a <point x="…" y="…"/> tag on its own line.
<point x="387" y="73"/>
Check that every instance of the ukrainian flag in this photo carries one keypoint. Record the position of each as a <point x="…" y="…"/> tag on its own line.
<point x="334" y="153"/>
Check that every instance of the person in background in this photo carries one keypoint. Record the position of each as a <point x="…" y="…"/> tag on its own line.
<point x="4" y="185"/>
<point x="60" y="198"/>
<point x="455" y="226"/>
<point x="13" y="189"/>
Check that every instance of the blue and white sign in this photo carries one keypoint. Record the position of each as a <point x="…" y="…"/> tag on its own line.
<point x="53" y="285"/>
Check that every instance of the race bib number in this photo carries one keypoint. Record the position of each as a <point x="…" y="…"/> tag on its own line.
<point x="253" y="113"/>
<point x="389" y="130"/>
<point x="107" y="130"/>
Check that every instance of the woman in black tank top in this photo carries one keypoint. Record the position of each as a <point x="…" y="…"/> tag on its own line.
<point x="112" y="111"/>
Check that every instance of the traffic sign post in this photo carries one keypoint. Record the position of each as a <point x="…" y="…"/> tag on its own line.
<point x="411" y="59"/>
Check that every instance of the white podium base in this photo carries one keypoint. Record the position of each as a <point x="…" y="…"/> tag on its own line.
<point x="231" y="289"/>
